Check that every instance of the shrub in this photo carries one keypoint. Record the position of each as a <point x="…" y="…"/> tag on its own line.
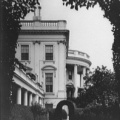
<point x="52" y="114"/>
<point x="20" y="112"/>
<point x="64" y="114"/>
<point x="37" y="110"/>
<point x="98" y="112"/>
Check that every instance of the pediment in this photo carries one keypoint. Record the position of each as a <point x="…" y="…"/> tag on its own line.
<point x="49" y="67"/>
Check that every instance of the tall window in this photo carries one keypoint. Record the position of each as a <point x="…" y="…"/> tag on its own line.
<point x="70" y="75"/>
<point x="49" y="52"/>
<point x="24" y="52"/>
<point x="49" y="82"/>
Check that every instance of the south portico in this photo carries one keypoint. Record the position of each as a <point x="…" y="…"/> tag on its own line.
<point x="77" y="66"/>
<point x="25" y="90"/>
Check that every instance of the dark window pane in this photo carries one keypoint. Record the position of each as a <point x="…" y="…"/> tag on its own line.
<point x="24" y="56"/>
<point x="24" y="52"/>
<point x="70" y="75"/>
<point x="49" y="52"/>
<point x="49" y="106"/>
<point x="49" y="82"/>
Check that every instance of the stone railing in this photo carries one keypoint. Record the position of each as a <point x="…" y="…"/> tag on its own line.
<point x="43" y="25"/>
<point x="26" y="80"/>
<point x="75" y="53"/>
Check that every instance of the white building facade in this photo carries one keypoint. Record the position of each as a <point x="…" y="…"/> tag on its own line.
<point x="43" y="49"/>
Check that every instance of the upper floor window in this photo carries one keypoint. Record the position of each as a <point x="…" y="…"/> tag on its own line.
<point x="48" y="52"/>
<point x="49" y="82"/>
<point x="24" y="52"/>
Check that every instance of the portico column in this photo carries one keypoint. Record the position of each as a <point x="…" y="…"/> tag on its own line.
<point x="30" y="99"/>
<point x="75" y="78"/>
<point x="19" y="96"/>
<point x="36" y="98"/>
<point x="25" y="98"/>
<point x="84" y="74"/>
<point x="82" y="80"/>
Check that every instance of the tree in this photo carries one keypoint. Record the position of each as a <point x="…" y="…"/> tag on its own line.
<point x="111" y="10"/>
<point x="11" y="13"/>
<point x="100" y="86"/>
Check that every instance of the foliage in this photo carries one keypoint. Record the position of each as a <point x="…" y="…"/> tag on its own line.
<point x="21" y="66"/>
<point x="98" y="112"/>
<point x="32" y="76"/>
<point x="111" y="10"/>
<point x="52" y="114"/>
<point x="100" y="88"/>
<point x="37" y="110"/>
<point x="20" y="112"/>
<point x="64" y="114"/>
<point x="11" y="13"/>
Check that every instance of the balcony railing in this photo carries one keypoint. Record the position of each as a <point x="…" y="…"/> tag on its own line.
<point x="75" y="53"/>
<point x="44" y="25"/>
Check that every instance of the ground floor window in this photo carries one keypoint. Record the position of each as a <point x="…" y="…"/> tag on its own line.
<point x="49" y="106"/>
<point x="49" y="82"/>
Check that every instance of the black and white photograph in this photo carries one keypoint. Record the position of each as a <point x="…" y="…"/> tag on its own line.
<point x="60" y="59"/>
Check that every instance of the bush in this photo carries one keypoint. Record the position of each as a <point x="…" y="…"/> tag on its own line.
<point x="52" y="114"/>
<point x="98" y="112"/>
<point x="20" y="112"/>
<point x="64" y="114"/>
<point x="37" y="110"/>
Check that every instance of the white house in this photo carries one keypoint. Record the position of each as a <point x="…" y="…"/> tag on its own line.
<point x="43" y="48"/>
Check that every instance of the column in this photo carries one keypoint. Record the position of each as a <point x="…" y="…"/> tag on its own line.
<point x="19" y="96"/>
<point x="36" y="98"/>
<point x="84" y="74"/>
<point x="30" y="99"/>
<point x="82" y="80"/>
<point x="75" y="78"/>
<point x="25" y="98"/>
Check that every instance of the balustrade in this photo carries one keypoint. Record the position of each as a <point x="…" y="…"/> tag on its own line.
<point x="73" y="53"/>
<point x="61" y="24"/>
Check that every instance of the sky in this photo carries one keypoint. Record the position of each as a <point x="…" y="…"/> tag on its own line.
<point x="90" y="32"/>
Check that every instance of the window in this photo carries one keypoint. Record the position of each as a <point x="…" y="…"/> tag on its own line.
<point x="24" y="52"/>
<point x="48" y="52"/>
<point x="49" y="106"/>
<point x="49" y="82"/>
<point x="70" y="75"/>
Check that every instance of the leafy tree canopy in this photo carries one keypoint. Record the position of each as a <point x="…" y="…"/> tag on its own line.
<point x="111" y="10"/>
<point x="11" y="11"/>
<point x="100" y="86"/>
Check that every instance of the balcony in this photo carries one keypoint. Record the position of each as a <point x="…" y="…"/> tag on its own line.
<point x="79" y="58"/>
<point x="43" y="25"/>
<point x="21" y="78"/>
<point x="78" y="54"/>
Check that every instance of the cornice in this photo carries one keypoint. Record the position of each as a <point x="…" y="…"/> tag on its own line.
<point x="24" y="81"/>
<point x="79" y="59"/>
<point x="37" y="32"/>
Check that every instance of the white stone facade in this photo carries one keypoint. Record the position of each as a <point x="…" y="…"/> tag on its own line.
<point x="43" y="48"/>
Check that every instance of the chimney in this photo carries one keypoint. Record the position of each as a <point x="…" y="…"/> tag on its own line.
<point x="37" y="14"/>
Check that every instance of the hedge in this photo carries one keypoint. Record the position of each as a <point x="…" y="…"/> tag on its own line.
<point x="98" y="113"/>
<point x="20" y="112"/>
